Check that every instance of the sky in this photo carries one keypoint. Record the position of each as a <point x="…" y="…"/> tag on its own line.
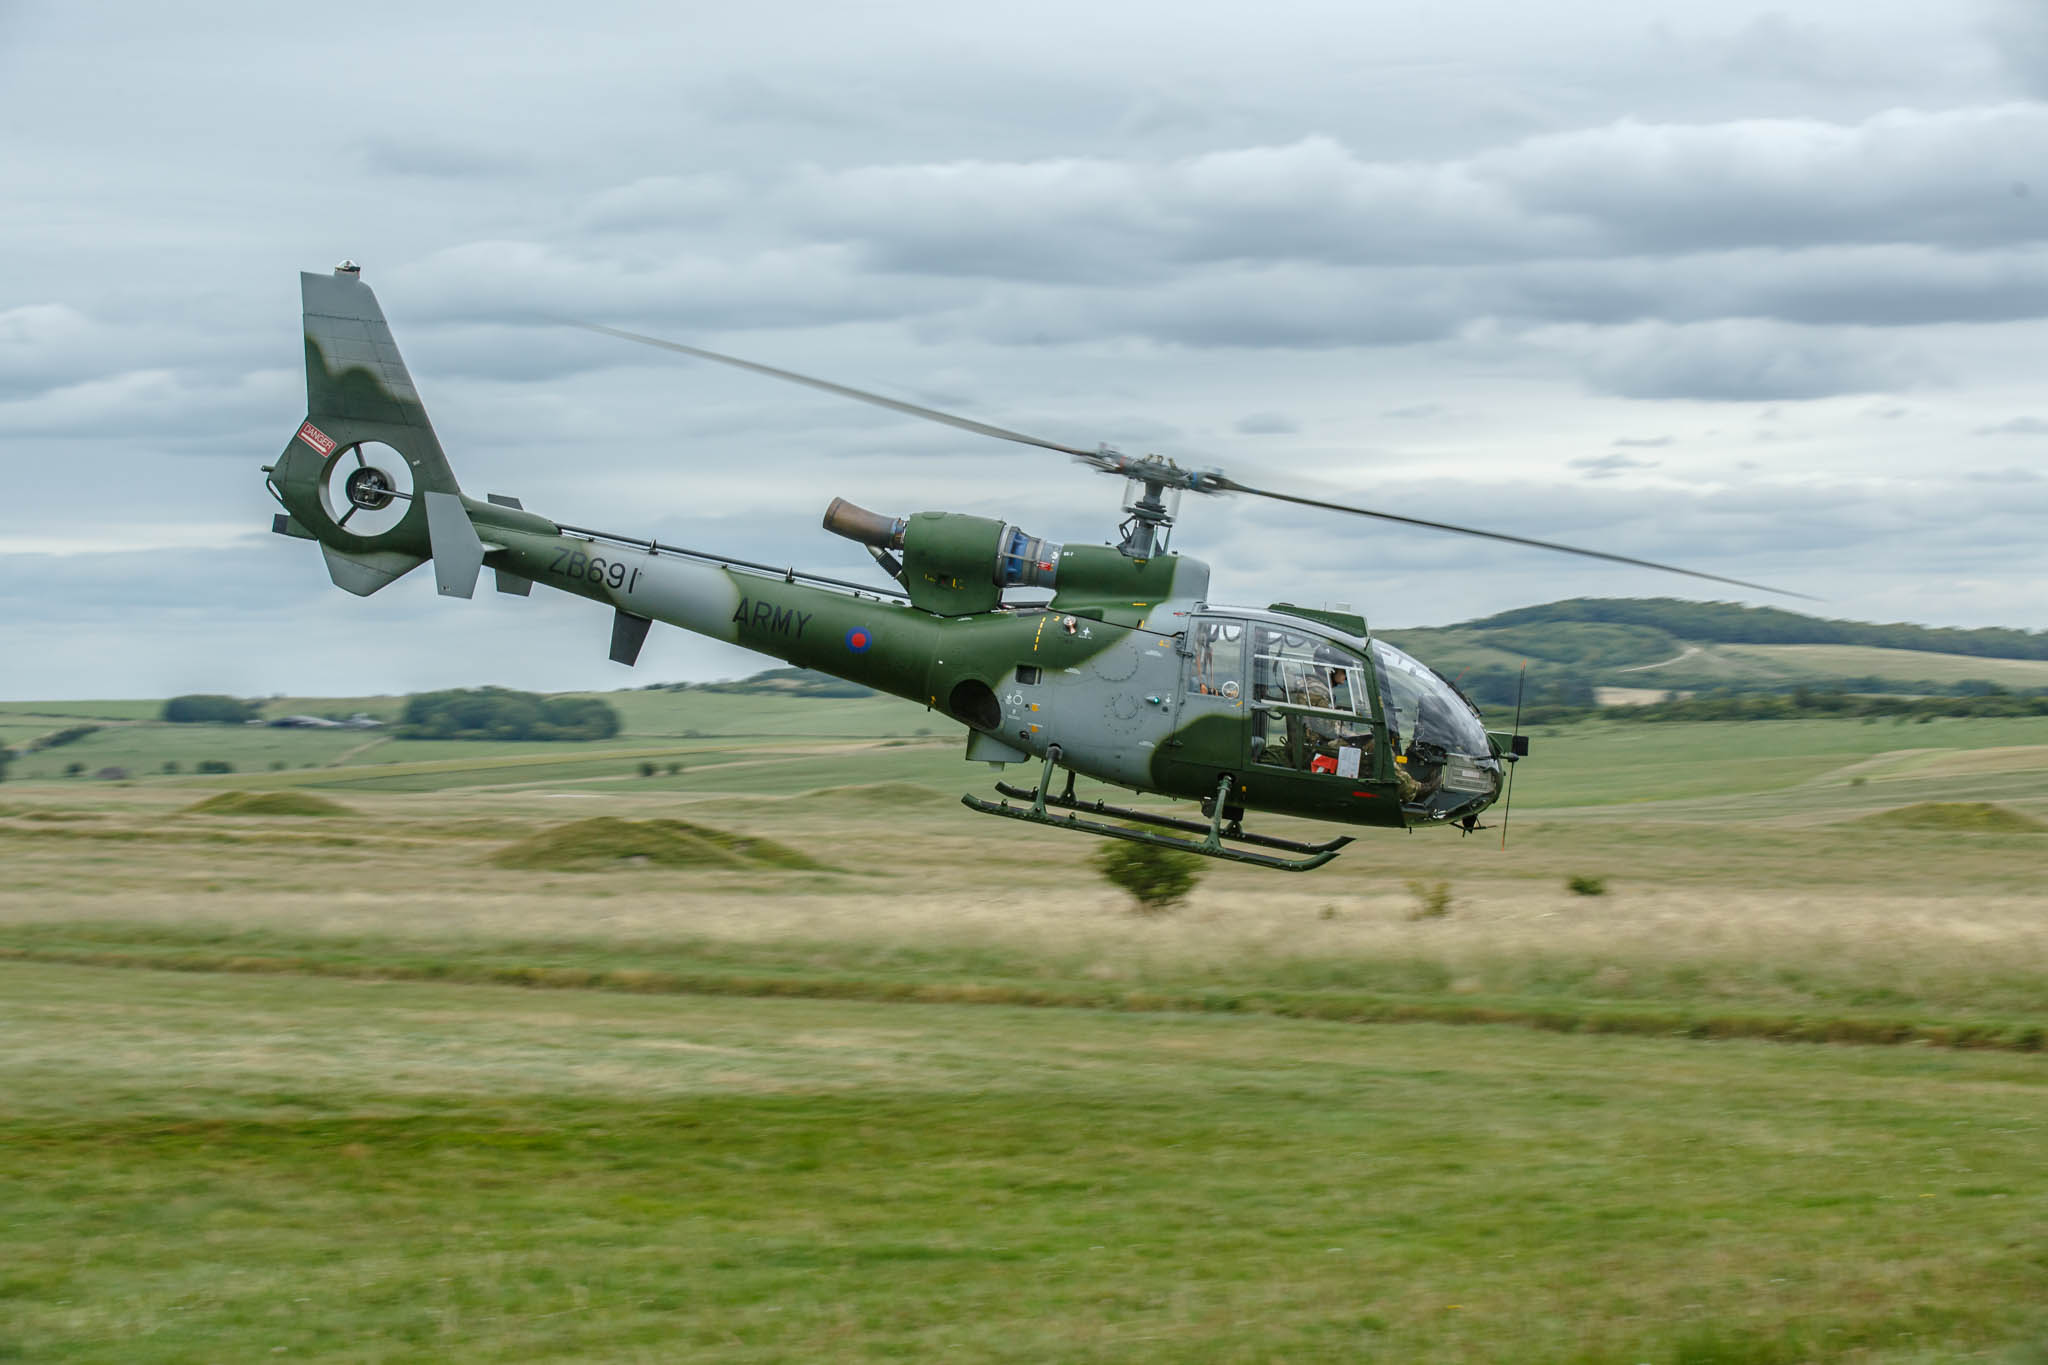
<point x="1757" y="290"/>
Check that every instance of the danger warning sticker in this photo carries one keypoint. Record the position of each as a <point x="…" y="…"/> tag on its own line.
<point x="316" y="438"/>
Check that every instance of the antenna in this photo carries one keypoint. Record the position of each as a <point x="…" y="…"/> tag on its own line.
<point x="1507" y="805"/>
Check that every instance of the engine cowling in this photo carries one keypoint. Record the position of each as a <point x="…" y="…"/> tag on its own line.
<point x="954" y="564"/>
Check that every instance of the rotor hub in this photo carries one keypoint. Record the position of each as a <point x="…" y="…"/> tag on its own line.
<point x="368" y="488"/>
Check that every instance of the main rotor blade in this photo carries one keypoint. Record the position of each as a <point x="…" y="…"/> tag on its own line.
<point x="859" y="395"/>
<point x="1234" y="486"/>
<point x="1217" y="482"/>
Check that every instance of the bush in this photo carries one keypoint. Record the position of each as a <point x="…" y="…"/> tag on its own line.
<point x="647" y="770"/>
<point x="70" y="735"/>
<point x="500" y="713"/>
<point x="1587" y="886"/>
<point x="215" y="765"/>
<point x="6" y="757"/>
<point x="1156" y="878"/>
<point x="205" y="708"/>
<point x="1432" y="899"/>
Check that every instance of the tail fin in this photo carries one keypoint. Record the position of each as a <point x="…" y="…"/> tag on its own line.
<point x="356" y="379"/>
<point x="365" y="469"/>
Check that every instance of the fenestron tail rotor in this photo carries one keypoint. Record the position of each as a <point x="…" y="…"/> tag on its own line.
<point x="1152" y="477"/>
<point x="367" y="488"/>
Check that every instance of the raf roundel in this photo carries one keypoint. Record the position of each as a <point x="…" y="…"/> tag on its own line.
<point x="859" y="638"/>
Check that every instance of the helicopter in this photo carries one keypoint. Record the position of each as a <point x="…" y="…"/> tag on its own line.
<point x="1127" y="673"/>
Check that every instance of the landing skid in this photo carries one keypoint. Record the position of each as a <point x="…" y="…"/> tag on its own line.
<point x="1211" y="845"/>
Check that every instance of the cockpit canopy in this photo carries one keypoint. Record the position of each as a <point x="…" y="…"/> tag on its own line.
<point x="1422" y="707"/>
<point x="1323" y="700"/>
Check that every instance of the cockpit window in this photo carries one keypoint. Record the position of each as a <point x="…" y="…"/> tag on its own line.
<point x="1216" y="668"/>
<point x="1311" y="707"/>
<point x="1423" y="708"/>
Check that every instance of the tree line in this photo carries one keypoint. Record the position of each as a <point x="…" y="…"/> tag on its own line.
<point x="501" y="713"/>
<point x="1732" y="623"/>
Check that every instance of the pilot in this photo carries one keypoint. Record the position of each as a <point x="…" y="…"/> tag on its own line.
<point x="1340" y="690"/>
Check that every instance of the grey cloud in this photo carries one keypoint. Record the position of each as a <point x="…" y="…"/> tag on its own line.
<point x="1742" y="361"/>
<point x="171" y="407"/>
<point x="773" y="287"/>
<point x="2016" y="426"/>
<point x="1642" y="442"/>
<point x="414" y="153"/>
<point x="745" y="97"/>
<point x="1794" y="534"/>
<point x="1305" y="244"/>
<point x="664" y="203"/>
<point x="1933" y="178"/>
<point x="2018" y="33"/>
<point x="45" y="344"/>
<point x="1775" y="46"/>
<point x="1266" y="424"/>
<point x="1607" y="466"/>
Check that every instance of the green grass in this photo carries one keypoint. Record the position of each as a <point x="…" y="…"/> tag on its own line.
<point x="1792" y="662"/>
<point x="143" y="749"/>
<point x="357" y="1171"/>
<point x="1615" y="762"/>
<point x="680" y="714"/>
<point x="795" y="1114"/>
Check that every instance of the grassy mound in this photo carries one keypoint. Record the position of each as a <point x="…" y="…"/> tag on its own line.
<point x="266" y="803"/>
<point x="874" y="795"/>
<point x="1965" y="817"/>
<point x="605" y="840"/>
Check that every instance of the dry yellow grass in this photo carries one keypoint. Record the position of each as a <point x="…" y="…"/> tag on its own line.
<point x="1899" y="916"/>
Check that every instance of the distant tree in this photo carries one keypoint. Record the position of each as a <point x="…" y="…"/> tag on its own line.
<point x="6" y="757"/>
<point x="647" y="770"/>
<point x="73" y="769"/>
<point x="170" y="765"/>
<point x="209" y="709"/>
<point x="503" y="714"/>
<point x="215" y="765"/>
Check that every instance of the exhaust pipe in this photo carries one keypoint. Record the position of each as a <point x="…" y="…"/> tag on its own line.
<point x="872" y="529"/>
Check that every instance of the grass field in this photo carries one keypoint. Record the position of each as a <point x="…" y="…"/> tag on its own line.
<point x="1906" y="665"/>
<point x="337" y="1086"/>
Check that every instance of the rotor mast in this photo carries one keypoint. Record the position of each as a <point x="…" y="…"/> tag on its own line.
<point x="1152" y="490"/>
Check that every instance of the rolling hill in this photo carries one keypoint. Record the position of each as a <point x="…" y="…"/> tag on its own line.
<point x="1660" y="644"/>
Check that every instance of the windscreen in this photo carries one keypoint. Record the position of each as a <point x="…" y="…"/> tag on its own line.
<point x="1422" y="707"/>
